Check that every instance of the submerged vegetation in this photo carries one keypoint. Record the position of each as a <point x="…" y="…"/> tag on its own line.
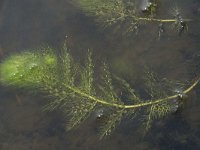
<point x="78" y="93"/>
<point x="128" y="15"/>
<point x="74" y="90"/>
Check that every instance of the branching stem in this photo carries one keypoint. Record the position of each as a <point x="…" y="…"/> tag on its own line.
<point x="155" y="19"/>
<point x="150" y="102"/>
<point x="122" y="16"/>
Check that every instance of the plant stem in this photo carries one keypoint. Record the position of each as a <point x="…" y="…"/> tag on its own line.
<point x="122" y="15"/>
<point x="149" y="102"/>
<point x="161" y="20"/>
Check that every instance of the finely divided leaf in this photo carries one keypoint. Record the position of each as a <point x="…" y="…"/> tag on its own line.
<point x="130" y="91"/>
<point x="107" y="89"/>
<point x="79" y="112"/>
<point x="109" y="123"/>
<point x="87" y="72"/>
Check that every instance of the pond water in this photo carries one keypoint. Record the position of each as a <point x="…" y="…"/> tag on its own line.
<point x="29" y="24"/>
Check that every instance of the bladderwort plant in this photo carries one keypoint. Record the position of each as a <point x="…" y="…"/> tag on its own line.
<point x="77" y="94"/>
<point x="128" y="15"/>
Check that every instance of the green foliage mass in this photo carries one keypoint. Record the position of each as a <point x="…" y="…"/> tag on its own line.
<point x="75" y="93"/>
<point x="26" y="69"/>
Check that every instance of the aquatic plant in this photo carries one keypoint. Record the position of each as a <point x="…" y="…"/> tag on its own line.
<point x="128" y="15"/>
<point x="76" y="93"/>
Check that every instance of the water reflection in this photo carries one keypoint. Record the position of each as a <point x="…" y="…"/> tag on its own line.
<point x="28" y="24"/>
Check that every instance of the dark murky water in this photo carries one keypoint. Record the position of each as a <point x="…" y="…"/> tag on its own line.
<point x="28" y="24"/>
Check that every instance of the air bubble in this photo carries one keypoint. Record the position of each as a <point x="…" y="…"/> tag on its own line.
<point x="145" y="5"/>
<point x="180" y="93"/>
<point x="175" y="105"/>
<point x="14" y="74"/>
<point x="99" y="113"/>
<point x="33" y="65"/>
<point x="178" y="90"/>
